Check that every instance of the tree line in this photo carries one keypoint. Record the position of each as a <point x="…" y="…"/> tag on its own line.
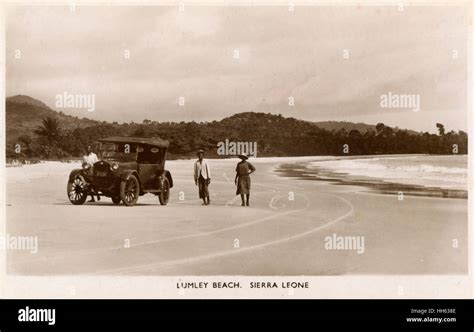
<point x="275" y="136"/>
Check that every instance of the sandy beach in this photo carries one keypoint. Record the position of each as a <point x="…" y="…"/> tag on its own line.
<point x="283" y="232"/>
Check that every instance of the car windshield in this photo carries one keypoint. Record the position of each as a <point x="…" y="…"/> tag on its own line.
<point x="118" y="152"/>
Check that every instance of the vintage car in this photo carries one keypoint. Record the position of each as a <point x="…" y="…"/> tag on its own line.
<point x="128" y="167"/>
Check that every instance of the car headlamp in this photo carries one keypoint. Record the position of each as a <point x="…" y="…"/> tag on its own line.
<point x="115" y="166"/>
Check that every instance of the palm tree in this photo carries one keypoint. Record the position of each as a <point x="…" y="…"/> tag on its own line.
<point x="49" y="129"/>
<point x="440" y="129"/>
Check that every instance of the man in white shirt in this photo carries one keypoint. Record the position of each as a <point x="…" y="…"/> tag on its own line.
<point x="202" y="177"/>
<point x="90" y="158"/>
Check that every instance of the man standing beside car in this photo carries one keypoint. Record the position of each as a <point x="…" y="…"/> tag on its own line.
<point x="202" y="177"/>
<point x="88" y="160"/>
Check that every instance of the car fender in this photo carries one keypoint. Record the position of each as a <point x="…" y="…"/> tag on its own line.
<point x="168" y="176"/>
<point x="124" y="175"/>
<point x="76" y="172"/>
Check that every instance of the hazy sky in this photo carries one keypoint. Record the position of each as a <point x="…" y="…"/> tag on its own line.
<point x="191" y="53"/>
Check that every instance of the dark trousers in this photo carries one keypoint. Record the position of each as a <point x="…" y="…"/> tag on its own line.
<point x="203" y="187"/>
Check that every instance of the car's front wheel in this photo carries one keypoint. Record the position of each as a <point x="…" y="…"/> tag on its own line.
<point x="76" y="190"/>
<point x="129" y="190"/>
<point x="164" y="194"/>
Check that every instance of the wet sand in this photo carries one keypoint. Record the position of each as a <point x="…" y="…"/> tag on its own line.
<point x="303" y="172"/>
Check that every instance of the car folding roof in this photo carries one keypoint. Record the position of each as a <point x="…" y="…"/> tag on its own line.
<point x="155" y="141"/>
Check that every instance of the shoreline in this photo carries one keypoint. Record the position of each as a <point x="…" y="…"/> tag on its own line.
<point x="298" y="168"/>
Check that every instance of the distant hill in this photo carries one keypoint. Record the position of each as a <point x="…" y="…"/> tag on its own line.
<point x="348" y="126"/>
<point x="22" y="99"/>
<point x="276" y="135"/>
<point x="249" y="117"/>
<point x="24" y="114"/>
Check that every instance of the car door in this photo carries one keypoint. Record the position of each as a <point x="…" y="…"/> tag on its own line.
<point x="147" y="174"/>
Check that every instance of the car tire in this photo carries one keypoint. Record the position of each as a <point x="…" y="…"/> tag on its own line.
<point x="76" y="190"/>
<point x="164" y="194"/>
<point x="129" y="190"/>
<point x="116" y="200"/>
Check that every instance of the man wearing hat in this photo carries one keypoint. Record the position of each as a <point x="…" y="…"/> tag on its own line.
<point x="242" y="178"/>
<point x="202" y="177"/>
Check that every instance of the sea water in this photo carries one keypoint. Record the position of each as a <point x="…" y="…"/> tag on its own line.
<point x="449" y="172"/>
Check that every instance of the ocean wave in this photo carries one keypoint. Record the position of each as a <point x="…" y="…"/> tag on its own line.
<point x="440" y="171"/>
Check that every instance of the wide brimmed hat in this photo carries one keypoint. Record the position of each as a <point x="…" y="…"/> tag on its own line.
<point x="199" y="152"/>
<point x="243" y="156"/>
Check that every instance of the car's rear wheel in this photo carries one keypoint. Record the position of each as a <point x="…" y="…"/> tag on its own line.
<point x="116" y="199"/>
<point x="76" y="190"/>
<point x="164" y="195"/>
<point x="129" y="190"/>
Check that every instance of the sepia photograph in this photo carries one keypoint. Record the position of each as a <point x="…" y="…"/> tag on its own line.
<point x="226" y="139"/>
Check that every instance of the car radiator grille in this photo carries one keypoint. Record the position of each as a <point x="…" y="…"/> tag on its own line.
<point x="101" y="170"/>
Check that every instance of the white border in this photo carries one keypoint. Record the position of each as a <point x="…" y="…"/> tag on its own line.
<point x="386" y="286"/>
